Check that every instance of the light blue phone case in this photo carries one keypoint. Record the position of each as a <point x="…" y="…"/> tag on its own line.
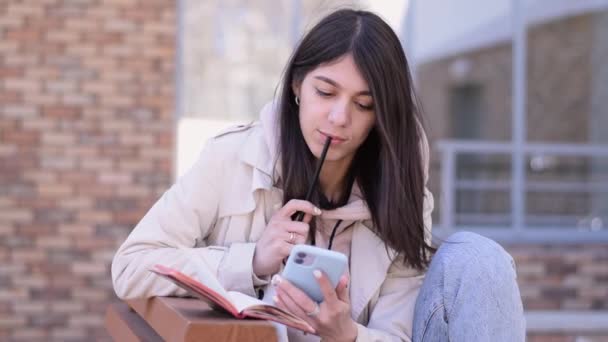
<point x="304" y="259"/>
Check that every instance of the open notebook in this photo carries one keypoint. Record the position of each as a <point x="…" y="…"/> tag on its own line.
<point x="235" y="303"/>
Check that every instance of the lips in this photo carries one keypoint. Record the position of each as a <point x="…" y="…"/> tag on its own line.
<point x="335" y="138"/>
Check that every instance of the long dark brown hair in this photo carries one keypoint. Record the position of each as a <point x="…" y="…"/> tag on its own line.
<point x="388" y="165"/>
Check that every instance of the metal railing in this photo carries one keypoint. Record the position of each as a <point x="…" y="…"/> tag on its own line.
<point x="518" y="229"/>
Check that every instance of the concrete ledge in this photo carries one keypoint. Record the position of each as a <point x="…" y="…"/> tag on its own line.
<point x="567" y="321"/>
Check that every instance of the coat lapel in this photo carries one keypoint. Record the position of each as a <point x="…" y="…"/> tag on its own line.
<point x="369" y="263"/>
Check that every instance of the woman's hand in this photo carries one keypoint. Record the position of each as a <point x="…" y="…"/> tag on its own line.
<point x="331" y="319"/>
<point x="280" y="235"/>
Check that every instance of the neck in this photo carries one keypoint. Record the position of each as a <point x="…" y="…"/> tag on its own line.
<point x="333" y="177"/>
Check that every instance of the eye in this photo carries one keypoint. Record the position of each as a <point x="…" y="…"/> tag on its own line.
<point x="365" y="107"/>
<point x="322" y="93"/>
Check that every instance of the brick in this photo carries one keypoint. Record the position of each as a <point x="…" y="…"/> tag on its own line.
<point x="42" y="124"/>
<point x="21" y="85"/>
<point x="23" y="112"/>
<point x="7" y="202"/>
<point x="63" y="139"/>
<point x="30" y="335"/>
<point x="63" y="61"/>
<point x="115" y="100"/>
<point x="594" y="268"/>
<point x="104" y="256"/>
<point x="39" y="176"/>
<point x="12" y="294"/>
<point x="16" y="215"/>
<point x="71" y="333"/>
<point x="60" y="87"/>
<point x="76" y="230"/>
<point x="12" y="322"/>
<point x="66" y="306"/>
<point x="55" y="190"/>
<point x="159" y="28"/>
<point x="120" y="127"/>
<point x="27" y="61"/>
<point x="6" y="231"/>
<point x="77" y="99"/>
<point x="21" y="10"/>
<point x="82" y="268"/>
<point x="98" y="88"/>
<point x="57" y="163"/>
<point x="89" y="216"/>
<point x="67" y="112"/>
<point x="28" y="255"/>
<point x="134" y="190"/>
<point x="63" y="36"/>
<point x="14" y="72"/>
<point x="11" y="22"/>
<point x="76" y="203"/>
<point x="8" y="47"/>
<point x="8" y="150"/>
<point x="31" y="307"/>
<point x="114" y="178"/>
<point x="23" y="35"/>
<point x="43" y="100"/>
<point x="119" y="25"/>
<point x="90" y="295"/>
<point x="137" y="139"/>
<point x="82" y="24"/>
<point x="54" y="242"/>
<point x="42" y="73"/>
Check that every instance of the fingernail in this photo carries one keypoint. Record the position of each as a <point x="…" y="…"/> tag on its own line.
<point x="317" y="211"/>
<point x="276" y="280"/>
<point x="317" y="274"/>
<point x="276" y="299"/>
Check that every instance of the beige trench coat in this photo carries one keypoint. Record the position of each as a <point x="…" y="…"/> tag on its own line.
<point x="215" y="213"/>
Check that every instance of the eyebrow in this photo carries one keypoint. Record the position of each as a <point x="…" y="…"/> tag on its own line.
<point x="335" y="84"/>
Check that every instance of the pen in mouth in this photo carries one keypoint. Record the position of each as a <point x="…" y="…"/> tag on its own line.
<point x="311" y="186"/>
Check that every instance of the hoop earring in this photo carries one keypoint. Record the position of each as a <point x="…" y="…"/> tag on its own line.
<point x="297" y="101"/>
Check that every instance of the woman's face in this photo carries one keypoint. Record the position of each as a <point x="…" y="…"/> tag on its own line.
<point x="335" y="101"/>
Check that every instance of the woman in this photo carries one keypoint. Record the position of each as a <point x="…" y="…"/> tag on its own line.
<point x="232" y="212"/>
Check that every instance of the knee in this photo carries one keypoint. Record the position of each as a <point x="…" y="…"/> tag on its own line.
<point x="470" y="249"/>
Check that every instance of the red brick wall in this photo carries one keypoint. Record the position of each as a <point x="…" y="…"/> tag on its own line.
<point x="86" y="144"/>
<point x="562" y="277"/>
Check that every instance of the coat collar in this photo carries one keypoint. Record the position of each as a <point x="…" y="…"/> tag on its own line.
<point x="255" y="153"/>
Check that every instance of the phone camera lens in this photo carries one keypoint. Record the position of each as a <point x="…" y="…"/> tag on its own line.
<point x="299" y="261"/>
<point x="301" y="254"/>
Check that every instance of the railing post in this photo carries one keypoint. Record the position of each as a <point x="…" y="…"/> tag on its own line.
<point x="518" y="130"/>
<point x="447" y="187"/>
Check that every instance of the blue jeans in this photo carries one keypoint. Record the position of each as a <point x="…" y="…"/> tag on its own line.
<point x="469" y="293"/>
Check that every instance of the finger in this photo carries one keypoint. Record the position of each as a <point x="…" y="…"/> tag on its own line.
<point x="297" y="238"/>
<point x="299" y="228"/>
<point x="296" y="295"/>
<point x="307" y="218"/>
<point x="287" y="303"/>
<point x="329" y="293"/>
<point x="297" y="308"/>
<point x="342" y="289"/>
<point x="296" y="205"/>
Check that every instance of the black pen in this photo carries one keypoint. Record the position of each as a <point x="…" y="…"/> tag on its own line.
<point x="315" y="178"/>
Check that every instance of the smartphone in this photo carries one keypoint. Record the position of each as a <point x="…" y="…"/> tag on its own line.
<point x="304" y="259"/>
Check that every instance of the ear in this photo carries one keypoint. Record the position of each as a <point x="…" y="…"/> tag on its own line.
<point x="295" y="87"/>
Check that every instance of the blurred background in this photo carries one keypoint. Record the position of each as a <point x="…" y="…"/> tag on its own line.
<point x="103" y="103"/>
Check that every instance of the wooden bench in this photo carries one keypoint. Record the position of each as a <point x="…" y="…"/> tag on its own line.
<point x="180" y="319"/>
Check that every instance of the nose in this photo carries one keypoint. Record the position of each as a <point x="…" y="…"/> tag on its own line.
<point x="340" y="114"/>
